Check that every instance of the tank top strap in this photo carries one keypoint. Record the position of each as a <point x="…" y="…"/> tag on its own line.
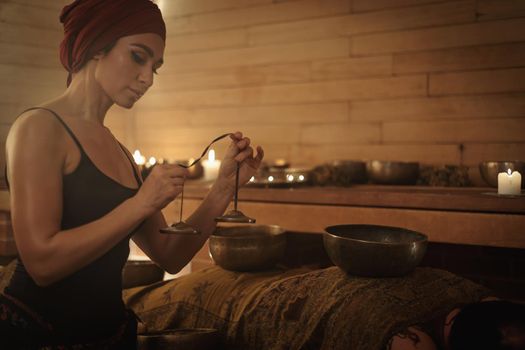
<point x="137" y="177"/>
<point x="69" y="131"/>
<point x="82" y="152"/>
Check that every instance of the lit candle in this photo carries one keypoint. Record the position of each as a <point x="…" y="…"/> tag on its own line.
<point x="151" y="162"/>
<point x="509" y="183"/>
<point x="138" y="158"/>
<point x="211" y="166"/>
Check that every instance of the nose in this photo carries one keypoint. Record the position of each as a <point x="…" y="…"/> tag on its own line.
<point x="146" y="77"/>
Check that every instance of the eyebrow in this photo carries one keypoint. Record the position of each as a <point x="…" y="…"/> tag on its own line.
<point x="148" y="50"/>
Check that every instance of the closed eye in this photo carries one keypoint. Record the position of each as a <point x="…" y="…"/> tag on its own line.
<point x="139" y="60"/>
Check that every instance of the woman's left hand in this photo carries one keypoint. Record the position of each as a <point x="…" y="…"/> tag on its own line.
<point x="241" y="152"/>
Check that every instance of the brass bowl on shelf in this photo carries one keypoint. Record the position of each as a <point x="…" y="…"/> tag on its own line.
<point x="373" y="250"/>
<point x="247" y="247"/>
<point x="489" y="170"/>
<point x="393" y="173"/>
<point x="352" y="171"/>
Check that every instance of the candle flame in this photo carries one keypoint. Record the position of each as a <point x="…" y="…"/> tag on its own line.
<point x="138" y="158"/>
<point x="152" y="160"/>
<point x="211" y="155"/>
<point x="509" y="171"/>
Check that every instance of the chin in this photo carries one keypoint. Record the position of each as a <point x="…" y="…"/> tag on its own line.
<point x="127" y="104"/>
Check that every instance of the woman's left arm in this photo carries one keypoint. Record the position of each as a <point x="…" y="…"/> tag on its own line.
<point x="171" y="251"/>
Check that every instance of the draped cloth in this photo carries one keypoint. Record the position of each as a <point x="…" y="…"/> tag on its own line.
<point x="92" y="25"/>
<point x="301" y="309"/>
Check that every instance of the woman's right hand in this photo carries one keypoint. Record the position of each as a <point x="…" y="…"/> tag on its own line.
<point x="162" y="186"/>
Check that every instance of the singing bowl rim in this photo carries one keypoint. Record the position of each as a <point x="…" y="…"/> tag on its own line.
<point x="490" y="169"/>
<point x="487" y="162"/>
<point x="251" y="230"/>
<point x="421" y="237"/>
<point x="390" y="162"/>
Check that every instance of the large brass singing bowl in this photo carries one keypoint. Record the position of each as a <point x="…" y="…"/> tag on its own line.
<point x="247" y="248"/>
<point x="393" y="173"/>
<point x="489" y="170"/>
<point x="374" y="251"/>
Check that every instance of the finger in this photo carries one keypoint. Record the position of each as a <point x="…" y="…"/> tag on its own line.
<point x="236" y="136"/>
<point x="260" y="154"/>
<point x="245" y="154"/>
<point x="245" y="142"/>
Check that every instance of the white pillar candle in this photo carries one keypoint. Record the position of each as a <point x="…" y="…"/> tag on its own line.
<point x="211" y="166"/>
<point x="509" y="183"/>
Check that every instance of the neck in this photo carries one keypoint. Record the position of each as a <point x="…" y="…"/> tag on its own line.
<point x="84" y="98"/>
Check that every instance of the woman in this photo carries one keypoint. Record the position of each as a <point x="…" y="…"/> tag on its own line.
<point x="77" y="198"/>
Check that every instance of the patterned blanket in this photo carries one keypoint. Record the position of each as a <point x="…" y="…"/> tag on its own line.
<point x="301" y="308"/>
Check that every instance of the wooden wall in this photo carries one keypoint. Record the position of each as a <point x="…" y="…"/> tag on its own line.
<point x="310" y="80"/>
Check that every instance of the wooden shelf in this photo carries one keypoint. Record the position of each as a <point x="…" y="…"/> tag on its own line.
<point x="473" y="199"/>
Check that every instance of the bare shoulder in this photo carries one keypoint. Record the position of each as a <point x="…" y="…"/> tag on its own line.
<point x="35" y="121"/>
<point x="34" y="127"/>
<point x="34" y="135"/>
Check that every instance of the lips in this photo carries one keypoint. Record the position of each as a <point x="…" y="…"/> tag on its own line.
<point x="138" y="94"/>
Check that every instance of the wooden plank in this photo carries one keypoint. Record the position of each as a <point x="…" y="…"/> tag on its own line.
<point x="460" y="131"/>
<point x="341" y="133"/>
<point x="318" y="92"/>
<point x="462" y="199"/>
<point x="208" y="41"/>
<point x="412" y="17"/>
<point x="27" y="94"/>
<point x="376" y="5"/>
<point x="494" y="81"/>
<point x="429" y="153"/>
<point x="239" y="116"/>
<point x="388" y="20"/>
<point x="296" y="31"/>
<point x="258" y="55"/>
<point x="9" y="111"/>
<point x="485" y="151"/>
<point x="440" y="226"/>
<point x="277" y="12"/>
<point x="482" y="33"/>
<point x="439" y="108"/>
<point x="27" y="15"/>
<point x="55" y="4"/>
<point x="352" y="68"/>
<point x="499" y="9"/>
<point x="178" y="8"/>
<point x="45" y="77"/>
<point x="25" y="55"/>
<point x="24" y="35"/>
<point x="259" y="134"/>
<point x="234" y="77"/>
<point x="467" y="58"/>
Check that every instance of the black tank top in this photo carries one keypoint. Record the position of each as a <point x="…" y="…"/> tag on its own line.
<point x="87" y="304"/>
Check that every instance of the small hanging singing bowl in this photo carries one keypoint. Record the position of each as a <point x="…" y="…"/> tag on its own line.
<point x="180" y="228"/>
<point x="235" y="216"/>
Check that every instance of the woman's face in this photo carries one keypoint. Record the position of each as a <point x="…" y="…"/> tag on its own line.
<point x="126" y="72"/>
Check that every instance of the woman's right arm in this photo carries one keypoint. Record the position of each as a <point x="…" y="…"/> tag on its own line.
<point x="36" y="157"/>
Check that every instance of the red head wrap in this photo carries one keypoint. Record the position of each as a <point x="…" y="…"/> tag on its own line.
<point x="92" y="25"/>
